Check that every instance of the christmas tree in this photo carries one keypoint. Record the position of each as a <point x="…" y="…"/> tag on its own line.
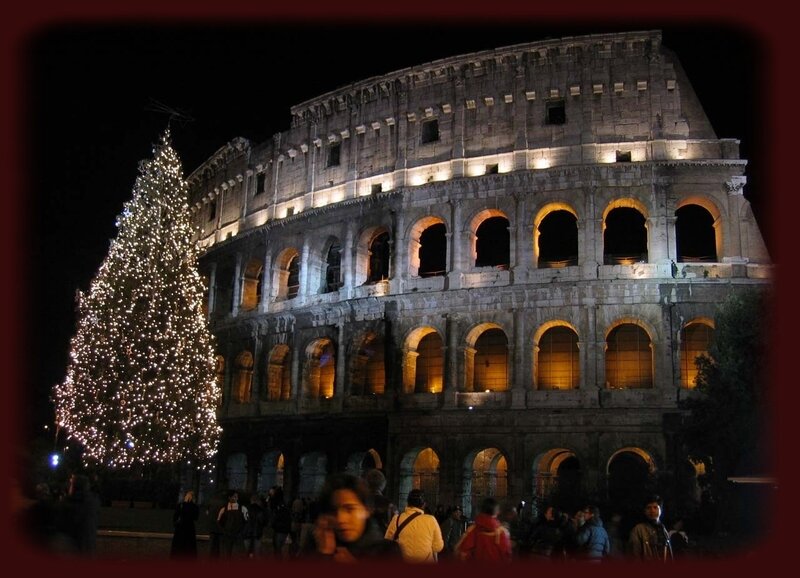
<point x="140" y="386"/>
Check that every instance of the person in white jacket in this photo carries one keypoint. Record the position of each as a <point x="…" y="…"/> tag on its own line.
<point x="418" y="533"/>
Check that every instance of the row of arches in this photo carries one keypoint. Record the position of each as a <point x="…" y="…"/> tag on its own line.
<point x="557" y="474"/>
<point x="486" y="350"/>
<point x="555" y="245"/>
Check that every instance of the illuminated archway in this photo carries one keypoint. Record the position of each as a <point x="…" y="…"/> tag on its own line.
<point x="698" y="230"/>
<point x="279" y="385"/>
<point x="557" y="477"/>
<point x="625" y="232"/>
<point x="555" y="236"/>
<point x="287" y="274"/>
<point x="236" y="471"/>
<point x="271" y="472"/>
<point x="423" y="362"/>
<point x="419" y="469"/>
<point x="486" y="359"/>
<point x="629" y="357"/>
<point x="556" y="359"/>
<point x="631" y="477"/>
<point x="368" y="375"/>
<point x="313" y="469"/>
<point x="485" y="475"/>
<point x="243" y="382"/>
<point x="251" y="284"/>
<point x="696" y="337"/>
<point x="360" y="463"/>
<point x="320" y="369"/>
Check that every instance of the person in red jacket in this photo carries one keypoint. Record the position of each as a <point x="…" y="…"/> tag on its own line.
<point x="486" y="539"/>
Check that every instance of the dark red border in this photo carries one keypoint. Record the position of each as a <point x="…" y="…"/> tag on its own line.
<point x="771" y="24"/>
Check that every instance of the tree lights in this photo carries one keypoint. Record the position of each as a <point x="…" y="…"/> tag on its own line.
<point x="140" y="385"/>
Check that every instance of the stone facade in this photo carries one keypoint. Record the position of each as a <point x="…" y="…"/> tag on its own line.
<point x="479" y="274"/>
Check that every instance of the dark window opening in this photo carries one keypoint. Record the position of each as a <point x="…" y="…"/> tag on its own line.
<point x="378" y="259"/>
<point x="623" y="156"/>
<point x="334" y="154"/>
<point x="333" y="270"/>
<point x="261" y="183"/>
<point x="558" y="240"/>
<point x="625" y="237"/>
<point x="695" y="237"/>
<point x="433" y="251"/>
<point x="290" y="211"/>
<point x="492" y="169"/>
<point x="376" y="188"/>
<point x="430" y="131"/>
<point x="293" y="282"/>
<point x="212" y="210"/>
<point x="556" y="112"/>
<point x="493" y="243"/>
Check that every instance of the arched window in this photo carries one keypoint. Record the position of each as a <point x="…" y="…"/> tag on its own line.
<point x="429" y="375"/>
<point x="629" y="358"/>
<point x="251" y="285"/>
<point x="369" y="371"/>
<point x="695" y="237"/>
<point x="433" y="251"/>
<point x="279" y="374"/>
<point x="558" y="240"/>
<point x="320" y="369"/>
<point x="492" y="245"/>
<point x="419" y="470"/>
<point x="696" y="339"/>
<point x="624" y="237"/>
<point x="557" y="360"/>
<point x="333" y="266"/>
<point x="378" y="259"/>
<point x="491" y="361"/>
<point x="293" y="279"/>
<point x="244" y="377"/>
<point x="485" y="475"/>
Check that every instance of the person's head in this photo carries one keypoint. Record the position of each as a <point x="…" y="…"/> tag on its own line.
<point x="652" y="508"/>
<point x="416" y="499"/>
<point x="456" y="513"/>
<point x="375" y="480"/>
<point x="188" y="496"/>
<point x="233" y="496"/>
<point x="490" y="506"/>
<point x="508" y="513"/>
<point x="590" y="512"/>
<point x="348" y="499"/>
<point x="552" y="513"/>
<point x="579" y="517"/>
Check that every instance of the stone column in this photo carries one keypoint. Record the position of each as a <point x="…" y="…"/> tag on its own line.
<point x="346" y="290"/>
<point x="520" y="120"/>
<point x="266" y="281"/>
<point x="733" y="246"/>
<point x="302" y="291"/>
<point x="237" y="285"/>
<point x="522" y="242"/>
<point x="295" y="376"/>
<point x="450" y="386"/>
<point x="518" y="362"/>
<point x="341" y="364"/>
<point x="457" y="240"/>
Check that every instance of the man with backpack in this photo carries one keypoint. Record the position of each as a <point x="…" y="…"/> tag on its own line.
<point x="418" y="533"/>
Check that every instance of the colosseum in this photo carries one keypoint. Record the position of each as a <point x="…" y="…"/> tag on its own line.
<point x="485" y="275"/>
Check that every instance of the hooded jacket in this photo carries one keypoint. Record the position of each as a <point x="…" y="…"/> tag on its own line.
<point x="486" y="541"/>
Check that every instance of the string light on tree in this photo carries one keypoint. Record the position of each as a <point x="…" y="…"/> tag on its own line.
<point x="140" y="385"/>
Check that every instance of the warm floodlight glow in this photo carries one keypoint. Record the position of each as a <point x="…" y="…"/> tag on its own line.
<point x="541" y="163"/>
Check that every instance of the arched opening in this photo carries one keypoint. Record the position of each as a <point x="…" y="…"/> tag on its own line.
<point x="288" y="274"/>
<point x="695" y="235"/>
<point x="493" y="243"/>
<point x="491" y="361"/>
<point x="236" y="471"/>
<point x="485" y="475"/>
<point x="320" y="369"/>
<point x="279" y="385"/>
<point x="369" y="370"/>
<point x="379" y="253"/>
<point x="244" y="377"/>
<point x="696" y="338"/>
<point x="556" y="359"/>
<point x="251" y="285"/>
<point x="333" y="268"/>
<point x="423" y="361"/>
<point x="313" y="468"/>
<point x="557" y="478"/>
<point x="629" y="358"/>
<point x="433" y="251"/>
<point x="631" y="477"/>
<point x="293" y="278"/>
<point x="271" y="472"/>
<point x="419" y="470"/>
<point x="624" y="237"/>
<point x="557" y="239"/>
<point x="359" y="463"/>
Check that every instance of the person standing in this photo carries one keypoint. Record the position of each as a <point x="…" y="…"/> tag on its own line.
<point x="232" y="519"/>
<point x="452" y="530"/>
<point x="418" y="533"/>
<point x="487" y="540"/>
<point x="184" y="539"/>
<point x="592" y="538"/>
<point x="649" y="540"/>
<point x="81" y="511"/>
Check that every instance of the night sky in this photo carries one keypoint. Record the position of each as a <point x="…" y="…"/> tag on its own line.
<point x="90" y="120"/>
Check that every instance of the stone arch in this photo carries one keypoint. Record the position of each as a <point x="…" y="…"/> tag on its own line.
<point x="251" y="284"/>
<point x="630" y="475"/>
<point x="358" y="463"/>
<point x="279" y="385"/>
<point x="625" y="239"/>
<point x="557" y="477"/>
<point x="556" y="356"/>
<point x="698" y="230"/>
<point x="243" y="378"/>
<point x="427" y="247"/>
<point x="271" y="472"/>
<point x="491" y="240"/>
<point x="485" y="474"/>
<point x="486" y="358"/>
<point x="312" y="469"/>
<point x="695" y="339"/>
<point x="368" y="366"/>
<point x="287" y="274"/>
<point x="320" y="369"/>
<point x="552" y="247"/>
<point x="423" y="361"/>
<point x="629" y="355"/>
<point x="332" y="266"/>
<point x="373" y="254"/>
<point x="419" y="469"/>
